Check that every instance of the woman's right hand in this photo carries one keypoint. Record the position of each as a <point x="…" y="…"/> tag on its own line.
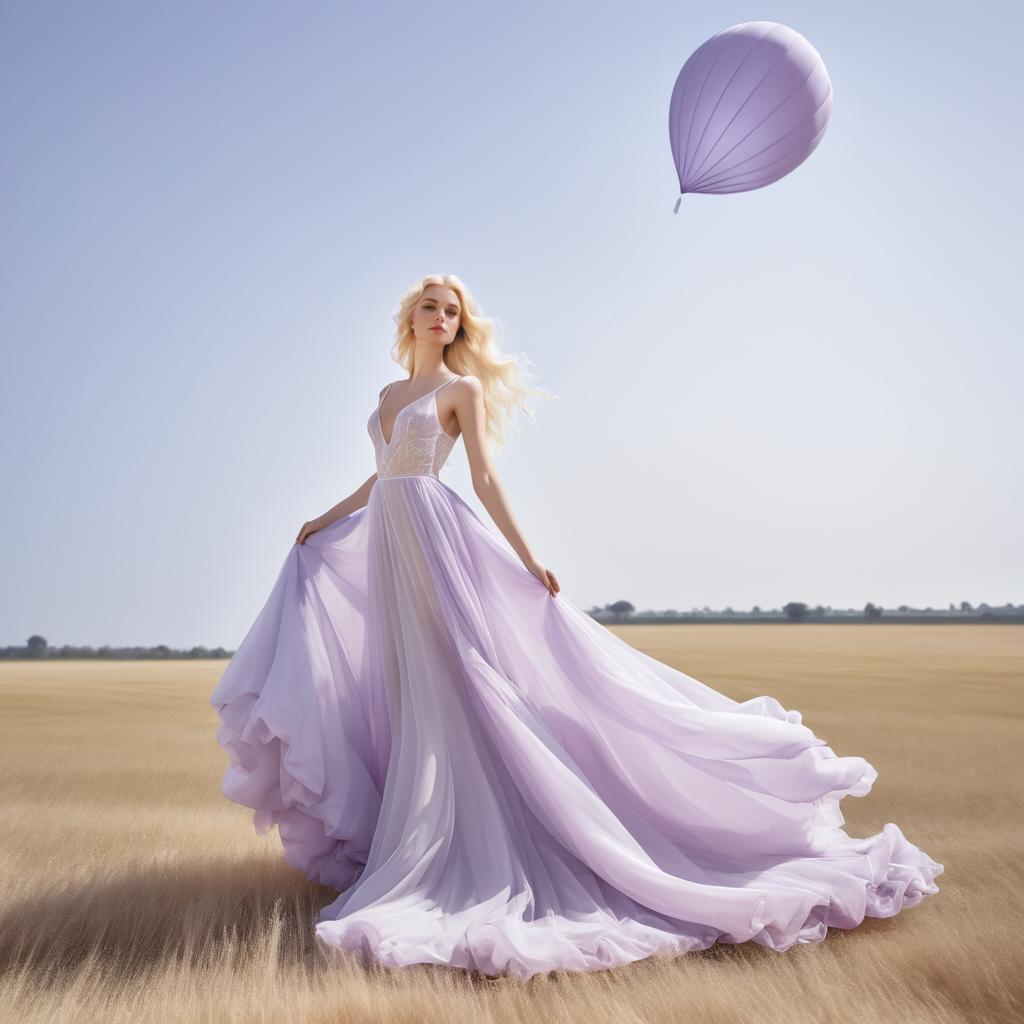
<point x="309" y="528"/>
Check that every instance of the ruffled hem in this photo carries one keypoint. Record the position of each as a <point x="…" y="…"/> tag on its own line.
<point x="495" y="939"/>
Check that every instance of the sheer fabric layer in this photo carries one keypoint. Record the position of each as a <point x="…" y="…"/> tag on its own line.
<point x="495" y="781"/>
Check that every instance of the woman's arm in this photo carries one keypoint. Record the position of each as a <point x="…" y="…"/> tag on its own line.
<point x="468" y="404"/>
<point x="356" y="500"/>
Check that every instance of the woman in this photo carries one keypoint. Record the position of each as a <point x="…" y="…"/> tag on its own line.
<point x="492" y="779"/>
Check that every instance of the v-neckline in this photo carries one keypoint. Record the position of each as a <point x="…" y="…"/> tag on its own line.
<point x="394" y="426"/>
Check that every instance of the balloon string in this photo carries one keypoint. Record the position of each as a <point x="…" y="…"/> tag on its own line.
<point x="598" y="339"/>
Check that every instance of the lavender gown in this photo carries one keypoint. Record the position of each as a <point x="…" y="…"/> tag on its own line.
<point x="493" y="780"/>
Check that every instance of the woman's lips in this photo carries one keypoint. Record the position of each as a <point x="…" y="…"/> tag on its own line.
<point x="438" y="329"/>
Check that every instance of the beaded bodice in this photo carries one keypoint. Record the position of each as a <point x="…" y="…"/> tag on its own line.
<point x="419" y="445"/>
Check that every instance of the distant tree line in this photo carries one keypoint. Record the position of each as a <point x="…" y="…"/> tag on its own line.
<point x="618" y="611"/>
<point x="799" y="611"/>
<point x="37" y="647"/>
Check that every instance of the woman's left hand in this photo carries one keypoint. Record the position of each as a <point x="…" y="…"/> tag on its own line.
<point x="546" y="576"/>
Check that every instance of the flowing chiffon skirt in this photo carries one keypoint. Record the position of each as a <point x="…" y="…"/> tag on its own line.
<point x="493" y="780"/>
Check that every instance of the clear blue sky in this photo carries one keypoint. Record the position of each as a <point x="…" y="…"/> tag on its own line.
<point x="210" y="212"/>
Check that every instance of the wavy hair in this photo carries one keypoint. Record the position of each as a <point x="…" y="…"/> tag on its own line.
<point x="473" y="350"/>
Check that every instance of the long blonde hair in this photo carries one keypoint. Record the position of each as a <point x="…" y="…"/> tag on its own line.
<point x="473" y="350"/>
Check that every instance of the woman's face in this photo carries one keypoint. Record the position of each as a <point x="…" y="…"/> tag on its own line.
<point x="437" y="315"/>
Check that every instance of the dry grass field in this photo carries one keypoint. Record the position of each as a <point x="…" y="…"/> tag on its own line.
<point x="133" y="891"/>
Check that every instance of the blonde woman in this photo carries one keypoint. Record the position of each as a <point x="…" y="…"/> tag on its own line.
<point x="491" y="779"/>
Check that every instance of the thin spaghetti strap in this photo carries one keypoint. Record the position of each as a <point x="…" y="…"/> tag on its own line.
<point x="380" y="401"/>
<point x="447" y="382"/>
<point x="438" y="388"/>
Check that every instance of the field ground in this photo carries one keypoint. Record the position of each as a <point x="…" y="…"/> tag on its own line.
<point x="133" y="891"/>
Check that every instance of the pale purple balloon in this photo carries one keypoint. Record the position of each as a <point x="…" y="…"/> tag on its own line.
<point x="749" y="105"/>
